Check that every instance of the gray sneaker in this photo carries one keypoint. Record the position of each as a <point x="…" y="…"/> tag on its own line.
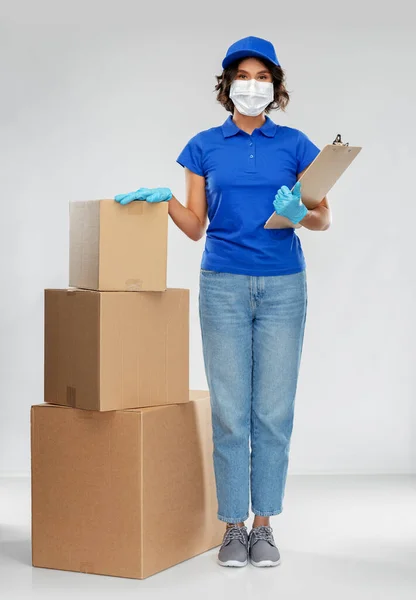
<point x="234" y="548"/>
<point x="261" y="547"/>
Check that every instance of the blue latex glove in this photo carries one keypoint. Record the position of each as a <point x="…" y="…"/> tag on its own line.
<point x="289" y="204"/>
<point x="159" y="194"/>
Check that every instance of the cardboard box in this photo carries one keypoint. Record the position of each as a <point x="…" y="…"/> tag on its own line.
<point x="114" y="350"/>
<point x="126" y="493"/>
<point x="118" y="248"/>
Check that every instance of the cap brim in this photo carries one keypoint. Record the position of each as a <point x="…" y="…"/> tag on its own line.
<point x="244" y="54"/>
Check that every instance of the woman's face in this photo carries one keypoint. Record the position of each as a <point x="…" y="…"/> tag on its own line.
<point x="251" y="68"/>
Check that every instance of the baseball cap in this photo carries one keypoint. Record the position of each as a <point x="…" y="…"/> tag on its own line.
<point x="250" y="46"/>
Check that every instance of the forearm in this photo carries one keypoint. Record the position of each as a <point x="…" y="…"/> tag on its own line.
<point x="317" y="219"/>
<point x="185" y="219"/>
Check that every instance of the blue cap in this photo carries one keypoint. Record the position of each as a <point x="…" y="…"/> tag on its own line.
<point x="250" y="46"/>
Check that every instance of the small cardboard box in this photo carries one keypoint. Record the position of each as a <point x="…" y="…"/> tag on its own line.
<point x="126" y="493"/>
<point x="118" y="248"/>
<point x="114" y="350"/>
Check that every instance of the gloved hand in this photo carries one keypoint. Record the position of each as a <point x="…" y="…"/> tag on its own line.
<point x="159" y="194"/>
<point x="289" y="204"/>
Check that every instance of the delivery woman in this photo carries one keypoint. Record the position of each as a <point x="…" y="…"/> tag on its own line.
<point x="253" y="289"/>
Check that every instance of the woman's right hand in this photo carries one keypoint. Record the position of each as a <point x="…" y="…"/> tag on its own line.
<point x="160" y="194"/>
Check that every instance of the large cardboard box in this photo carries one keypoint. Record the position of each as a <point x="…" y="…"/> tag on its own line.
<point x="119" y="248"/>
<point x="126" y="493"/>
<point x="114" y="350"/>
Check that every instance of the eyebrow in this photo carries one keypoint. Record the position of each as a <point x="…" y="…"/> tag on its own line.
<point x="258" y="72"/>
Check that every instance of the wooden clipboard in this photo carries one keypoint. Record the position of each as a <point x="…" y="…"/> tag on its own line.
<point x="319" y="178"/>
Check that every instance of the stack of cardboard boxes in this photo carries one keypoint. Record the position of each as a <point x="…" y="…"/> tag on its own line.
<point x="121" y="450"/>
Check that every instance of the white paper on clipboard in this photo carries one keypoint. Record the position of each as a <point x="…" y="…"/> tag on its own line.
<point x="319" y="178"/>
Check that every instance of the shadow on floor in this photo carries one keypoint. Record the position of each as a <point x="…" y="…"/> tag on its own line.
<point x="19" y="551"/>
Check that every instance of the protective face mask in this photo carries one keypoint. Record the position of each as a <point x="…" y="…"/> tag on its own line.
<point x="250" y="97"/>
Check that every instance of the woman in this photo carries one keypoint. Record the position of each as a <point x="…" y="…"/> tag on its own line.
<point x="253" y="292"/>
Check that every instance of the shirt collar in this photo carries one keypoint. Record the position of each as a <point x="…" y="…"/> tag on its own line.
<point x="229" y="128"/>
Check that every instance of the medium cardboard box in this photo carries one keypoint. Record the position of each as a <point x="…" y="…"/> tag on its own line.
<point x="114" y="350"/>
<point x="118" y="248"/>
<point x="126" y="493"/>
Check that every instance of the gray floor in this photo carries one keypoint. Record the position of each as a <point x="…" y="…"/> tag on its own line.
<point x="341" y="537"/>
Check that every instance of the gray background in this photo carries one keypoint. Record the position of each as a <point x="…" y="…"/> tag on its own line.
<point x="99" y="98"/>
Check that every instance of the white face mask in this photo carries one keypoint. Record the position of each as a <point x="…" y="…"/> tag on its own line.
<point x="250" y="97"/>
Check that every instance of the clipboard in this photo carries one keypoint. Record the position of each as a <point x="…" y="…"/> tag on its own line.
<point x="319" y="178"/>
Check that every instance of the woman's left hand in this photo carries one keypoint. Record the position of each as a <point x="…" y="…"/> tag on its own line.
<point x="289" y="203"/>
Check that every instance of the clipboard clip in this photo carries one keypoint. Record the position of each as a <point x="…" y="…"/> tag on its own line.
<point x="338" y="142"/>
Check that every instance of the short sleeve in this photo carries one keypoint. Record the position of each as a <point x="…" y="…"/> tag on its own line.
<point x="191" y="156"/>
<point x="307" y="151"/>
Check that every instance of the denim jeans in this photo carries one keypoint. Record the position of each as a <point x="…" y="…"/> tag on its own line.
<point x="252" y="332"/>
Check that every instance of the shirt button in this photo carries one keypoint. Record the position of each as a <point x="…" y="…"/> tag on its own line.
<point x="251" y="156"/>
<point x="250" y="143"/>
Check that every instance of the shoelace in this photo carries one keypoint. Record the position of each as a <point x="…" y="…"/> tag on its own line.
<point x="262" y="532"/>
<point x="233" y="533"/>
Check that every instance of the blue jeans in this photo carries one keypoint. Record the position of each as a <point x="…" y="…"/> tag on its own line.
<point x="252" y="331"/>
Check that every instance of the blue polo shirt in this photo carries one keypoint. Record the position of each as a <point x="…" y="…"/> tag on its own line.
<point x="242" y="175"/>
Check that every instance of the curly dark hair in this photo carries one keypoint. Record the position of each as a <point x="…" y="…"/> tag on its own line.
<point x="281" y="95"/>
